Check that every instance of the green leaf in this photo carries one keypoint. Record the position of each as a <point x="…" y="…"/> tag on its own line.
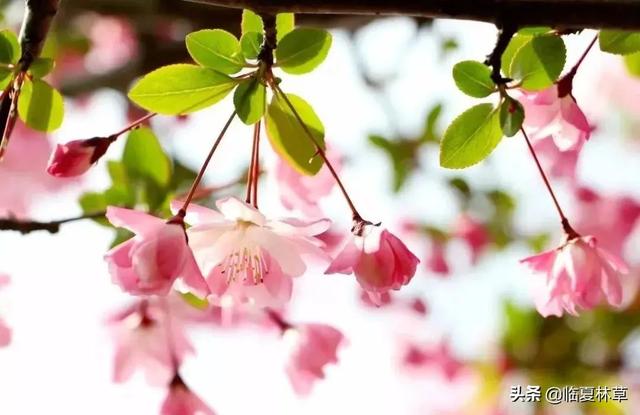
<point x="180" y="89"/>
<point x="403" y="156"/>
<point x="285" y="23"/>
<point x="511" y="116"/>
<point x="216" y="49"/>
<point x="632" y="62"/>
<point x="474" y="79"/>
<point x="539" y="62"/>
<point x="94" y="202"/>
<point x="249" y="100"/>
<point x="534" y="30"/>
<point x="471" y="137"/>
<point x="195" y="301"/>
<point x="302" y="50"/>
<point x="144" y="157"/>
<point x="430" y="134"/>
<point x="288" y="137"/>
<point x="40" y="106"/>
<point x="251" y="22"/>
<point x="250" y="43"/>
<point x="620" y="42"/>
<point x="41" y="67"/>
<point x="6" y="75"/>
<point x="10" y="50"/>
<point x="514" y="46"/>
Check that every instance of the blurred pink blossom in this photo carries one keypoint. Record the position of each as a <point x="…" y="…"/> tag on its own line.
<point x="149" y="338"/>
<point x="316" y="346"/>
<point x="474" y="233"/>
<point x="560" y="164"/>
<point x="436" y="260"/>
<point x="150" y="262"/>
<point x="578" y="275"/>
<point x="302" y="192"/>
<point x="379" y="260"/>
<point x="437" y="357"/>
<point x="246" y="257"/>
<point x="5" y="331"/>
<point x="113" y="44"/>
<point x="181" y="400"/>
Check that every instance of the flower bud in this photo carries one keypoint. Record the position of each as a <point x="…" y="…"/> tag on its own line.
<point x="75" y="157"/>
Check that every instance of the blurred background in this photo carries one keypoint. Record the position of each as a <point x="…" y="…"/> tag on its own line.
<point x="453" y="342"/>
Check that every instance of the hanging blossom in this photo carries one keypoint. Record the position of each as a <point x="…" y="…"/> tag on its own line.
<point x="315" y="346"/>
<point x="5" y="331"/>
<point x="149" y="338"/>
<point x="76" y="157"/>
<point x="298" y="191"/>
<point x="554" y="112"/>
<point x="150" y="262"/>
<point x="560" y="164"/>
<point x="181" y="400"/>
<point x="578" y="275"/>
<point x="380" y="261"/>
<point x="248" y="259"/>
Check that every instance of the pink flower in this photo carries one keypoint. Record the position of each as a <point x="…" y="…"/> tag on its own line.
<point x="247" y="258"/>
<point x="579" y="275"/>
<point x="547" y="113"/>
<point x="610" y="218"/>
<point x="298" y="191"/>
<point x="5" y="331"/>
<point x="379" y="260"/>
<point x="75" y="157"/>
<point x="560" y="164"/>
<point x="436" y="258"/>
<point x="316" y="346"/>
<point x="150" y="339"/>
<point x="474" y="233"/>
<point x="182" y="401"/>
<point x="439" y="357"/>
<point x="150" y="262"/>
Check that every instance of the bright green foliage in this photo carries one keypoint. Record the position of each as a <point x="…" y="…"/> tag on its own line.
<point x="514" y="46"/>
<point x="534" y="30"/>
<point x="403" y="155"/>
<point x="9" y="47"/>
<point x="216" y="49"/>
<point x="430" y="133"/>
<point x="539" y="62"/>
<point x="144" y="158"/>
<point x="41" y="67"/>
<point x="285" y="23"/>
<point x="289" y="138"/>
<point x="471" y="137"/>
<point x="473" y="78"/>
<point x="632" y="62"/>
<point x="40" y="106"/>
<point x="250" y="44"/>
<point x="251" y="22"/>
<point x="180" y="89"/>
<point x="302" y="50"/>
<point x="619" y="42"/>
<point x="249" y="100"/>
<point x="511" y="116"/>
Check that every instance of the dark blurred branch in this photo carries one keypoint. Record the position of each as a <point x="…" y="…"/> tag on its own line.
<point x="494" y="60"/>
<point x="35" y="28"/>
<point x="621" y="14"/>
<point x="27" y="226"/>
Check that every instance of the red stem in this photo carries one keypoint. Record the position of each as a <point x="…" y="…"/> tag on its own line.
<point x="256" y="165"/>
<point x="134" y="124"/>
<point x="198" y="178"/>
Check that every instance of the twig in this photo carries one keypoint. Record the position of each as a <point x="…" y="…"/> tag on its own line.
<point x="27" y="226"/>
<point x="494" y="60"/>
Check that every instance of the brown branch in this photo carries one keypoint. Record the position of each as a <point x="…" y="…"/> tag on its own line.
<point x="38" y="15"/>
<point x="621" y="14"/>
<point x="27" y="226"/>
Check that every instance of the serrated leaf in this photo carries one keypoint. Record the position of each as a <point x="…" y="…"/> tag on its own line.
<point x="249" y="100"/>
<point x="251" y="22"/>
<point x="144" y="157"/>
<point x="632" y="62"/>
<point x="474" y="79"/>
<point x="302" y="50"/>
<point x="40" y="106"/>
<point x="41" y="67"/>
<point x="539" y="62"/>
<point x="511" y="116"/>
<point x="471" y="137"/>
<point x="10" y="50"/>
<point x="216" y="49"/>
<point x="513" y="47"/>
<point x="250" y="44"/>
<point x="288" y="137"/>
<point x="619" y="42"/>
<point x="180" y="89"/>
<point x="285" y="23"/>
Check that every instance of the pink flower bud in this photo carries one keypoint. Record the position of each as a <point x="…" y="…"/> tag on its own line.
<point x="75" y="157"/>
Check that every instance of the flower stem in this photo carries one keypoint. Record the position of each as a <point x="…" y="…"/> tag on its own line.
<point x="255" y="169"/>
<point x="134" y="124"/>
<point x="198" y="178"/>
<point x="565" y="84"/>
<point x="571" y="233"/>
<point x="320" y="151"/>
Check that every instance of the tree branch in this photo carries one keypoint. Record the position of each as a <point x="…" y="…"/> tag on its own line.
<point x="38" y="15"/>
<point x="620" y="14"/>
<point x="27" y="226"/>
